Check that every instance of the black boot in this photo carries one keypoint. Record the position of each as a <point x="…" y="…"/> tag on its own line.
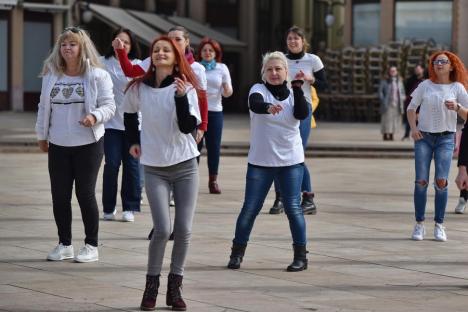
<point x="277" y="205"/>
<point x="237" y="253"/>
<point x="300" y="259"/>
<point x="308" y="205"/>
<point x="148" y="302"/>
<point x="174" y="295"/>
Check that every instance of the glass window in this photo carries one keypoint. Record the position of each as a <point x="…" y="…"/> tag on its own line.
<point x="3" y="54"/>
<point x="424" y="20"/>
<point x="366" y="24"/>
<point x="36" y="49"/>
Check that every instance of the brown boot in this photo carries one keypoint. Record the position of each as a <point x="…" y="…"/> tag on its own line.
<point x="213" y="184"/>
<point x="148" y="303"/>
<point x="174" y="295"/>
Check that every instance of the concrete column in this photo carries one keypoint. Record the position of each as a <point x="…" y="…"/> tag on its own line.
<point x="58" y="25"/>
<point x="16" y="60"/>
<point x="348" y="23"/>
<point x="150" y="6"/>
<point x="181" y="8"/>
<point x="197" y="10"/>
<point x="115" y="3"/>
<point x="387" y="20"/>
<point x="249" y="56"/>
<point x="459" y="26"/>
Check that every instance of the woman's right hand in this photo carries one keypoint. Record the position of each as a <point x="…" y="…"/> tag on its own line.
<point x="416" y="134"/>
<point x="117" y="44"/>
<point x="275" y="109"/>
<point x="43" y="145"/>
<point x="135" y="151"/>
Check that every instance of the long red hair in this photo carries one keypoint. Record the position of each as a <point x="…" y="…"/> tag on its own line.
<point x="182" y="67"/>
<point x="458" y="73"/>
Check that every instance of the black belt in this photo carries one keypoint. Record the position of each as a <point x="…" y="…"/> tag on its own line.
<point x="439" y="133"/>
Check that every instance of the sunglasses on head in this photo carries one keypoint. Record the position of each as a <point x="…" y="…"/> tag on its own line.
<point x="73" y="29"/>
<point x="441" y="62"/>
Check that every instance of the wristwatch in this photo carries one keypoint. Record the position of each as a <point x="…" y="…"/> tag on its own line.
<point x="458" y="106"/>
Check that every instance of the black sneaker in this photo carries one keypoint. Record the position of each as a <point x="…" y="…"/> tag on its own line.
<point x="277" y="207"/>
<point x="308" y="205"/>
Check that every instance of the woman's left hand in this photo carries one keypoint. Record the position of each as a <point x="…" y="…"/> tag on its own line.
<point x="451" y="105"/>
<point x="182" y="85"/>
<point x="199" y="135"/>
<point x="88" y="121"/>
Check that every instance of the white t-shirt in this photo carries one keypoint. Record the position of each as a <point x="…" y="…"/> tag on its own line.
<point x="274" y="139"/>
<point x="433" y="114"/>
<point x="215" y="79"/>
<point x="162" y="142"/>
<point x="309" y="63"/>
<point x="68" y="108"/>
<point x="198" y="70"/>
<point x="120" y="82"/>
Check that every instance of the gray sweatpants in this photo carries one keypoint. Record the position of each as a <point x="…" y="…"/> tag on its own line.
<point x="183" y="179"/>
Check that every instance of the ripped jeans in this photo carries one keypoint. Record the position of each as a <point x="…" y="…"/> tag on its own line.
<point x="441" y="149"/>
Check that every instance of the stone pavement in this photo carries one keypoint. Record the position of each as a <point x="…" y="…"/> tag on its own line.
<point x="361" y="257"/>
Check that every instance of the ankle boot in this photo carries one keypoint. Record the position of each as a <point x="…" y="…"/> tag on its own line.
<point x="174" y="294"/>
<point x="237" y="254"/>
<point x="390" y="137"/>
<point x="308" y="206"/>
<point x="300" y="259"/>
<point x="148" y="303"/>
<point x="213" y="184"/>
<point x="277" y="205"/>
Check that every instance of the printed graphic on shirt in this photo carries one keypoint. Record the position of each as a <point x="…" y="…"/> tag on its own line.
<point x="65" y="93"/>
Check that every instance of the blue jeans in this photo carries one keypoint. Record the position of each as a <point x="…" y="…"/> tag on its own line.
<point x="212" y="140"/>
<point x="441" y="149"/>
<point x="304" y="130"/>
<point x="116" y="152"/>
<point x="258" y="182"/>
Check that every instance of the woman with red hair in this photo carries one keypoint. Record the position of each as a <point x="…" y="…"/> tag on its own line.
<point x="218" y="85"/>
<point x="166" y="96"/>
<point x="439" y="98"/>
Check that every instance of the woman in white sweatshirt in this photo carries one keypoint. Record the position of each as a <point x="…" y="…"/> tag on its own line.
<point x="76" y="100"/>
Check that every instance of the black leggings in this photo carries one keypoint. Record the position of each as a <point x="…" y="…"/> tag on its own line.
<point x="79" y="164"/>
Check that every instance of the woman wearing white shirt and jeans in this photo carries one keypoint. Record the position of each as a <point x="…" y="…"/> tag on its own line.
<point x="275" y="153"/>
<point x="219" y="85"/>
<point x="167" y="99"/>
<point x="116" y="145"/>
<point x="76" y="100"/>
<point x="440" y="98"/>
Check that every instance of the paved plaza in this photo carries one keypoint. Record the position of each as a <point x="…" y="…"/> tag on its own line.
<point x="361" y="257"/>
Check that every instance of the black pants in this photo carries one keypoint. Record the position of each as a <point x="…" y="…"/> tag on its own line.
<point x="79" y="164"/>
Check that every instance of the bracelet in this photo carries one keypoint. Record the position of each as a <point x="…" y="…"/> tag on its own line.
<point x="458" y="107"/>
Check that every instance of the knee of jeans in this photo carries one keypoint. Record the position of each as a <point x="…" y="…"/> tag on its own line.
<point x="421" y="183"/>
<point x="111" y="165"/>
<point x="441" y="184"/>
<point x="162" y="233"/>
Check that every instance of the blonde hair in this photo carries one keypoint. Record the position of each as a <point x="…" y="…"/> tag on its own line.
<point x="55" y="62"/>
<point x="276" y="55"/>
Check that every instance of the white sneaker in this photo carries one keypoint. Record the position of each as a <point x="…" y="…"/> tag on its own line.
<point x="418" y="232"/>
<point x="439" y="233"/>
<point x="87" y="253"/>
<point x="127" y="216"/>
<point x="109" y="216"/>
<point x="460" y="208"/>
<point x="61" y="252"/>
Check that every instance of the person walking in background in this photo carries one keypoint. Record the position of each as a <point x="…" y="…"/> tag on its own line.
<point x="440" y="98"/>
<point x="418" y="76"/>
<point x="276" y="152"/>
<point x="310" y="69"/>
<point x="218" y="85"/>
<point x="167" y="99"/>
<point x="392" y="96"/>
<point x="76" y="100"/>
<point x="116" y="145"/>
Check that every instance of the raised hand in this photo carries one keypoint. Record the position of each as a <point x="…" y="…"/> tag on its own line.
<point x="275" y="109"/>
<point x="182" y="85"/>
<point x="117" y="44"/>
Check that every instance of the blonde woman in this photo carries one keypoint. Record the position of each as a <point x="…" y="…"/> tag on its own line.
<point x="76" y="100"/>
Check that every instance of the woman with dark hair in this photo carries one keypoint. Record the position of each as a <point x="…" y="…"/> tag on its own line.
<point x="310" y="69"/>
<point x="116" y="145"/>
<point x="218" y="85"/>
<point x="166" y="96"/>
<point x="440" y="98"/>
<point x="392" y="96"/>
